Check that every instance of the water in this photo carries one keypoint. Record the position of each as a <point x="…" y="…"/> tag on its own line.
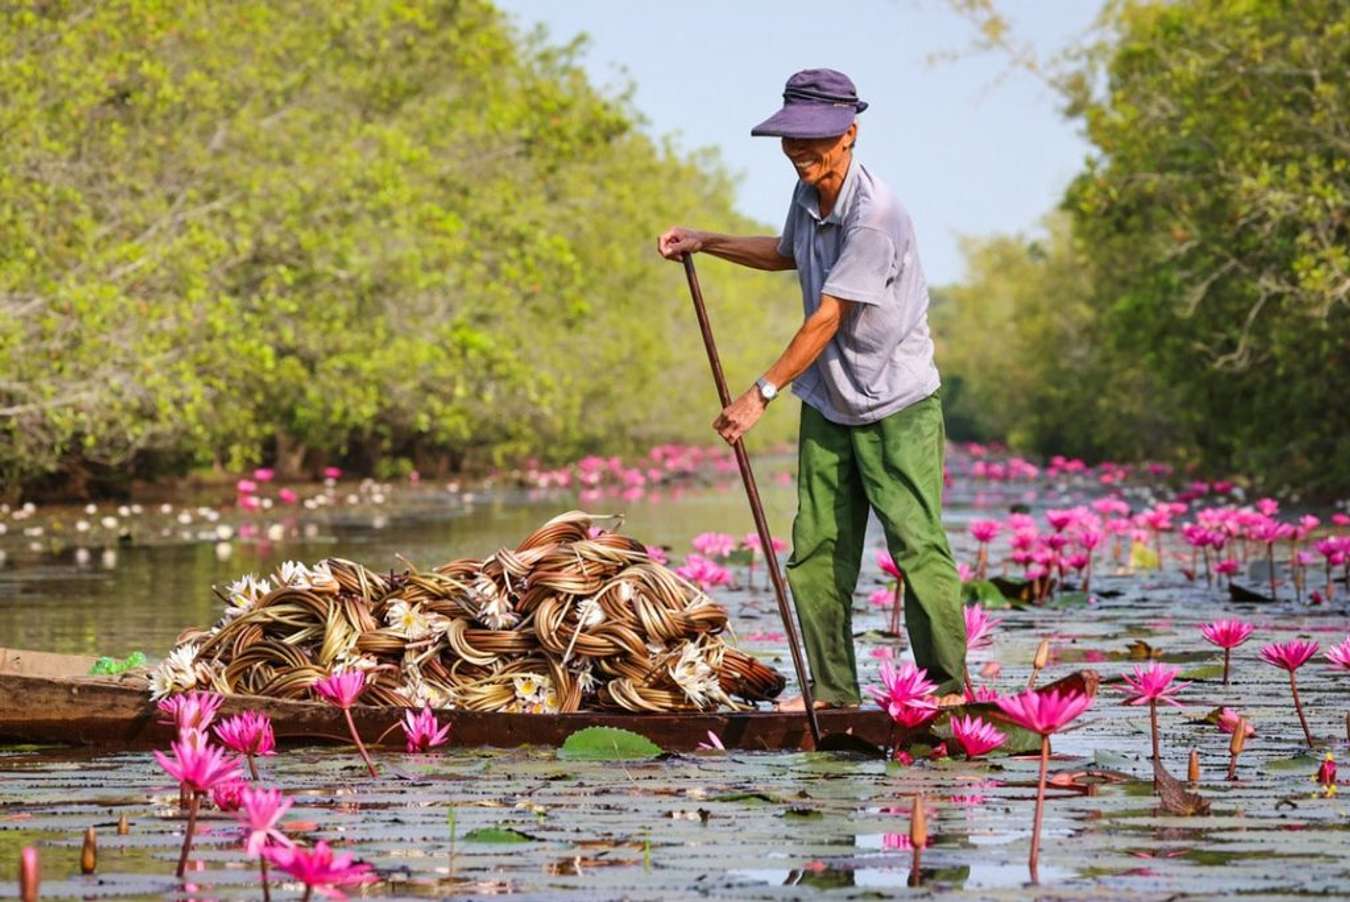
<point x="742" y="825"/>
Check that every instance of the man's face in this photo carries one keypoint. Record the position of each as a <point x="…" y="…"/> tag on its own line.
<point x="815" y="158"/>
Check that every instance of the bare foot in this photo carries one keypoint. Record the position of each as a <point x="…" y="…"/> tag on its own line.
<point x="797" y="703"/>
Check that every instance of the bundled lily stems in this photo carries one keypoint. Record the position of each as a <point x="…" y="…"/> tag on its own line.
<point x="571" y="618"/>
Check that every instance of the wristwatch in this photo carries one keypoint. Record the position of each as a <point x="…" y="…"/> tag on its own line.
<point x="767" y="390"/>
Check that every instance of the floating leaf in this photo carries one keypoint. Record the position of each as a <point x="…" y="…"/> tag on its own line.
<point x="1068" y="600"/>
<point x="607" y="744"/>
<point x="1308" y="763"/>
<point x="497" y="835"/>
<point x="748" y="797"/>
<point x="984" y="592"/>
<point x="1204" y="672"/>
<point x="803" y="814"/>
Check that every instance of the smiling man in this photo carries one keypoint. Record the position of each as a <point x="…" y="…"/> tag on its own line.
<point x="871" y="434"/>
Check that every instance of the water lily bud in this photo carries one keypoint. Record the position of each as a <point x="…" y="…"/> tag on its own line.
<point x="1042" y="655"/>
<point x="1239" y="740"/>
<point x="123" y="826"/>
<point x="1326" y="774"/>
<point x="918" y="824"/>
<point x="1193" y="767"/>
<point x="89" y="854"/>
<point x="29" y="876"/>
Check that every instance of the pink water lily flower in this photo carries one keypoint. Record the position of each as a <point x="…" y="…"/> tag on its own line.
<point x="422" y="731"/>
<point x="343" y="687"/>
<point x="714" y="544"/>
<point x="1289" y="655"/>
<point x="319" y="869"/>
<point x="198" y="766"/>
<point x="249" y="733"/>
<point x="888" y="565"/>
<point x="976" y="736"/>
<point x="979" y="627"/>
<point x="984" y="531"/>
<point x="1043" y="712"/>
<point x="1227" y="633"/>
<point x="261" y="810"/>
<point x="906" y="694"/>
<point x="226" y="795"/>
<point x="193" y="710"/>
<point x="1153" y="684"/>
<point x="1339" y="655"/>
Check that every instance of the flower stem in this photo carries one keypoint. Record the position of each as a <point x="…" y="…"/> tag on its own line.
<point x="193" y="800"/>
<point x="252" y="767"/>
<point x="1270" y="560"/>
<point x="895" y="604"/>
<point x="309" y="891"/>
<point x="1298" y="706"/>
<point x="1040" y="809"/>
<point x="1153" y="726"/>
<point x="360" y="746"/>
<point x="1226" y="653"/>
<point x="262" y="872"/>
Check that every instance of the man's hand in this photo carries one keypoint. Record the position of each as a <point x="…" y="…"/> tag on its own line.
<point x="740" y="415"/>
<point x="677" y="241"/>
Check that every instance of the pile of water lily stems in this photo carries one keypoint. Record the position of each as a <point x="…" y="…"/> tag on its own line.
<point x="572" y="618"/>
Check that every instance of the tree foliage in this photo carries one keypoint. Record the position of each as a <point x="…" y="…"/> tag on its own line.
<point x="1204" y="278"/>
<point x="369" y="231"/>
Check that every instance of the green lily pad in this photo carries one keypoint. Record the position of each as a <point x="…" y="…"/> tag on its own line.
<point x="984" y="592"/>
<point x="748" y="797"/>
<point x="803" y="814"/>
<point x="1204" y="672"/>
<point x="607" y="744"/>
<point x="1307" y="763"/>
<point x="1067" y="600"/>
<point x="497" y="835"/>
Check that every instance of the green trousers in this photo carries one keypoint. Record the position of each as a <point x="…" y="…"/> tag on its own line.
<point x="894" y="467"/>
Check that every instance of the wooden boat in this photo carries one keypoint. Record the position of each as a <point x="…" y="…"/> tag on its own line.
<point x="46" y="697"/>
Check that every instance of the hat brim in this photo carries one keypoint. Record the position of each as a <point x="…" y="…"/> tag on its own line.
<point x="807" y="120"/>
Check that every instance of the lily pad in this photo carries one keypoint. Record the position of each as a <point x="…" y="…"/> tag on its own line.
<point x="497" y="835"/>
<point x="607" y="744"/>
<point x="1067" y="600"/>
<point x="1204" y="672"/>
<point x="1307" y="763"/>
<point x="984" y="592"/>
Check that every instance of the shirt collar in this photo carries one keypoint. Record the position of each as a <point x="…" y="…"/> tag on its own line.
<point x="809" y="197"/>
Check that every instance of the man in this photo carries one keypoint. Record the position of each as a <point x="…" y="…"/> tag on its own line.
<point x="862" y="363"/>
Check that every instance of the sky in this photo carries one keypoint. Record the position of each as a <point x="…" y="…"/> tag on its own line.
<point x="967" y="152"/>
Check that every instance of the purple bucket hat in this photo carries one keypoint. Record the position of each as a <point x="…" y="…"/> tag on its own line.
<point x="817" y="103"/>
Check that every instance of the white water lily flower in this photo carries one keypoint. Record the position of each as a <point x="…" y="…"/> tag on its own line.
<point x="695" y="676"/>
<point x="528" y="686"/>
<point x="408" y="620"/>
<point x="321" y="578"/>
<point x="176" y="673"/>
<point x="497" y="614"/>
<point x="589" y="613"/>
<point x="294" y="574"/>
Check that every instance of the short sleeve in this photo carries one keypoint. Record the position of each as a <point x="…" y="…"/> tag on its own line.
<point x="786" y="240"/>
<point x="864" y="268"/>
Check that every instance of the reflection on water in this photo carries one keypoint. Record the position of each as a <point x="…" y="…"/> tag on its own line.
<point x="140" y="597"/>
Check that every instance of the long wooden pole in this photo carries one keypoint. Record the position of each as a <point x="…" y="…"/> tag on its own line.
<point x="785" y="610"/>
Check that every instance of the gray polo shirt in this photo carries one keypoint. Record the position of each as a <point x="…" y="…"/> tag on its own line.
<point x="881" y="359"/>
